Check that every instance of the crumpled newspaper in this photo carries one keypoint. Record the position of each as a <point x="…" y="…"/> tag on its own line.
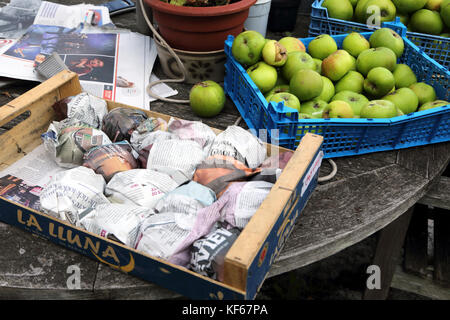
<point x="193" y="130"/>
<point x="118" y="222"/>
<point x="109" y="159"/>
<point x="175" y="216"/>
<point x="188" y="198"/>
<point x="141" y="187"/>
<point x="72" y="191"/>
<point x="208" y="253"/>
<point x="177" y="158"/>
<point x="160" y="234"/>
<point x="67" y="142"/>
<point x="82" y="107"/>
<point x="145" y="135"/>
<point x="120" y="123"/>
<point x="240" y="144"/>
<point x="217" y="172"/>
<point x="233" y="209"/>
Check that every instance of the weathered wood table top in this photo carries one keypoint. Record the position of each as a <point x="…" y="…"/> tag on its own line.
<point x="368" y="192"/>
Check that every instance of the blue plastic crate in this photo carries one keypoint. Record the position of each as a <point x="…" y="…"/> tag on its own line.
<point x="344" y="137"/>
<point x="438" y="48"/>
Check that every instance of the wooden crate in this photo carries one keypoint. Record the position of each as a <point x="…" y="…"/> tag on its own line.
<point x="248" y="260"/>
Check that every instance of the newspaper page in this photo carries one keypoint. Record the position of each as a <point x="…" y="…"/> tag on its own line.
<point x="23" y="181"/>
<point x="54" y="14"/>
<point x="113" y="65"/>
<point x="3" y="80"/>
<point x="36" y="168"/>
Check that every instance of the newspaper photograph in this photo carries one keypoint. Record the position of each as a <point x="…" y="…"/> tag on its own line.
<point x="113" y="65"/>
<point x="18" y="191"/>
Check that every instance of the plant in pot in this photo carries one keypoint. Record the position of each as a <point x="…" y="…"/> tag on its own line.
<point x="199" y="25"/>
<point x="195" y="31"/>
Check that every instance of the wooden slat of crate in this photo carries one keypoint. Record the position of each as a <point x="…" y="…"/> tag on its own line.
<point x="25" y="136"/>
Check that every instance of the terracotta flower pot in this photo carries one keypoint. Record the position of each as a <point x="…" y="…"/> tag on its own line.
<point x="199" y="28"/>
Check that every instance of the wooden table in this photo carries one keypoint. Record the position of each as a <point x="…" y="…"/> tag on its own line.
<point x="370" y="194"/>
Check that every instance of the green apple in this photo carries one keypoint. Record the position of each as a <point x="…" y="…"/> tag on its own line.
<point x="386" y="8"/>
<point x="328" y="90"/>
<point x="263" y="75"/>
<point x="322" y="46"/>
<point x="355" y="43"/>
<point x="379" y="82"/>
<point x="314" y="108"/>
<point x="247" y="47"/>
<point x="338" y="109"/>
<point x="424" y="92"/>
<point x="434" y="5"/>
<point x="404" y="99"/>
<point x="352" y="81"/>
<point x="433" y="104"/>
<point x="427" y="21"/>
<point x="445" y="12"/>
<point x="274" y="53"/>
<point x="376" y="57"/>
<point x="408" y="6"/>
<point x="341" y="9"/>
<point x="277" y="89"/>
<point x="388" y="38"/>
<point x="337" y="64"/>
<point x="404" y="76"/>
<point x="360" y="10"/>
<point x="207" y="98"/>
<point x="355" y="100"/>
<point x="318" y="63"/>
<point x="377" y="109"/>
<point x="306" y="84"/>
<point x="287" y="98"/>
<point x="292" y="44"/>
<point x="353" y="2"/>
<point x="297" y="60"/>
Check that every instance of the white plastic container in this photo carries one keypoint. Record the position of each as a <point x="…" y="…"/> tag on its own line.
<point x="258" y="16"/>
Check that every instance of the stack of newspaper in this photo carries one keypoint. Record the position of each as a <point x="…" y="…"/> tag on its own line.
<point x="112" y="63"/>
